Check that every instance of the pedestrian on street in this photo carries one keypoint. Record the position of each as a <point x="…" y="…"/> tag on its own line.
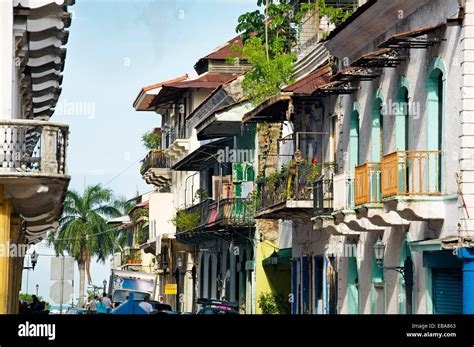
<point x="93" y="305"/>
<point x="108" y="303"/>
<point x="146" y="305"/>
<point x="101" y="308"/>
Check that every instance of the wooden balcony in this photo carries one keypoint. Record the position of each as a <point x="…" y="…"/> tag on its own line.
<point x="412" y="173"/>
<point x="367" y="184"/>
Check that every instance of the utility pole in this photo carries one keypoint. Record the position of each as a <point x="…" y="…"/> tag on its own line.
<point x="266" y="30"/>
<point x="61" y="295"/>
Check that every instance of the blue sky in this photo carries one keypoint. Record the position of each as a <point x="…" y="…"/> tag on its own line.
<point x="115" y="48"/>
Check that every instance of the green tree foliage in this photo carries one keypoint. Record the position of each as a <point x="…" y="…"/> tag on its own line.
<point x="83" y="231"/>
<point x="271" y="72"/>
<point x="268" y="76"/>
<point x="335" y="15"/>
<point x="274" y="303"/>
<point x="151" y="140"/>
<point x="186" y="221"/>
<point x="29" y="298"/>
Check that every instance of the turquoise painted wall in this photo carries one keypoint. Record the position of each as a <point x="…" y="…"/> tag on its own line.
<point x="377" y="128"/>
<point x="354" y="140"/>
<point x="352" y="286"/>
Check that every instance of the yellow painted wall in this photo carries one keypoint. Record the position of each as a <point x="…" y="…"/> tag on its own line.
<point x="5" y="262"/>
<point x="267" y="279"/>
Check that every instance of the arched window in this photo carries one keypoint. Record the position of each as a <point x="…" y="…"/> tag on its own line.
<point x="435" y="104"/>
<point x="404" y="254"/>
<point x="219" y="278"/>
<point x="377" y="128"/>
<point x="354" y="140"/>
<point x="227" y="282"/>
<point x="209" y="278"/>
<point x="201" y="277"/>
<point x="352" y="286"/>
<point x="402" y="119"/>
<point x="236" y="287"/>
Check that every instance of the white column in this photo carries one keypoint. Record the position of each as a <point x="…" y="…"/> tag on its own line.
<point x="6" y="58"/>
<point x="467" y="119"/>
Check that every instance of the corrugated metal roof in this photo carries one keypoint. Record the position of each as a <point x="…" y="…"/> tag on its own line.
<point x="171" y="91"/>
<point x="223" y="51"/>
<point x="143" y="100"/>
<point x="208" y="80"/>
<point x="310" y="83"/>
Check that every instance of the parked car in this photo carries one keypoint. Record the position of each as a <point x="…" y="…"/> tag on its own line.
<point x="75" y="310"/>
<point x="209" y="306"/>
<point x="160" y="307"/>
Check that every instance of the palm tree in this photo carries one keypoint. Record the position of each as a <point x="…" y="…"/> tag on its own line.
<point x="123" y="207"/>
<point x="83" y="231"/>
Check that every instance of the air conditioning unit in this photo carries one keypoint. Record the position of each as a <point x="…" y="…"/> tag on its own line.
<point x="117" y="260"/>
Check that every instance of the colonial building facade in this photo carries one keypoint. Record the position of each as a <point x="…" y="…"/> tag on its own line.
<point x="358" y="196"/>
<point x="33" y="175"/>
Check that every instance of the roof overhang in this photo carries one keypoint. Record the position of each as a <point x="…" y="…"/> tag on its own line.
<point x="147" y="94"/>
<point x="203" y="156"/>
<point x="368" y="23"/>
<point x="274" y="109"/>
<point x="282" y="256"/>
<point x="225" y="122"/>
<point x="39" y="32"/>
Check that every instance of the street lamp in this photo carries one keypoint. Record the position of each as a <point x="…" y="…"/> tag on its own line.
<point x="406" y="271"/>
<point x="37" y="288"/>
<point x="33" y="261"/>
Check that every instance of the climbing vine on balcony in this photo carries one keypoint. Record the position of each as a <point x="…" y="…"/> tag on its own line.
<point x="186" y="221"/>
<point x="151" y="140"/>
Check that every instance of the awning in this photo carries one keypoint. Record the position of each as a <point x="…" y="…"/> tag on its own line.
<point x="433" y="244"/>
<point x="355" y="74"/>
<point x="385" y="57"/>
<point x="226" y="121"/>
<point x="273" y="109"/>
<point x="425" y="245"/>
<point x="119" y="220"/>
<point x="336" y="88"/>
<point x="283" y="256"/>
<point x="204" y="155"/>
<point x="410" y="39"/>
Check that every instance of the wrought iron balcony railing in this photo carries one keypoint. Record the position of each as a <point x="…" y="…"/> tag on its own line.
<point x="235" y="212"/>
<point x="293" y="183"/>
<point x="155" y="159"/>
<point x="35" y="147"/>
<point x="367" y="187"/>
<point x="323" y="193"/>
<point x="173" y="134"/>
<point x="412" y="172"/>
